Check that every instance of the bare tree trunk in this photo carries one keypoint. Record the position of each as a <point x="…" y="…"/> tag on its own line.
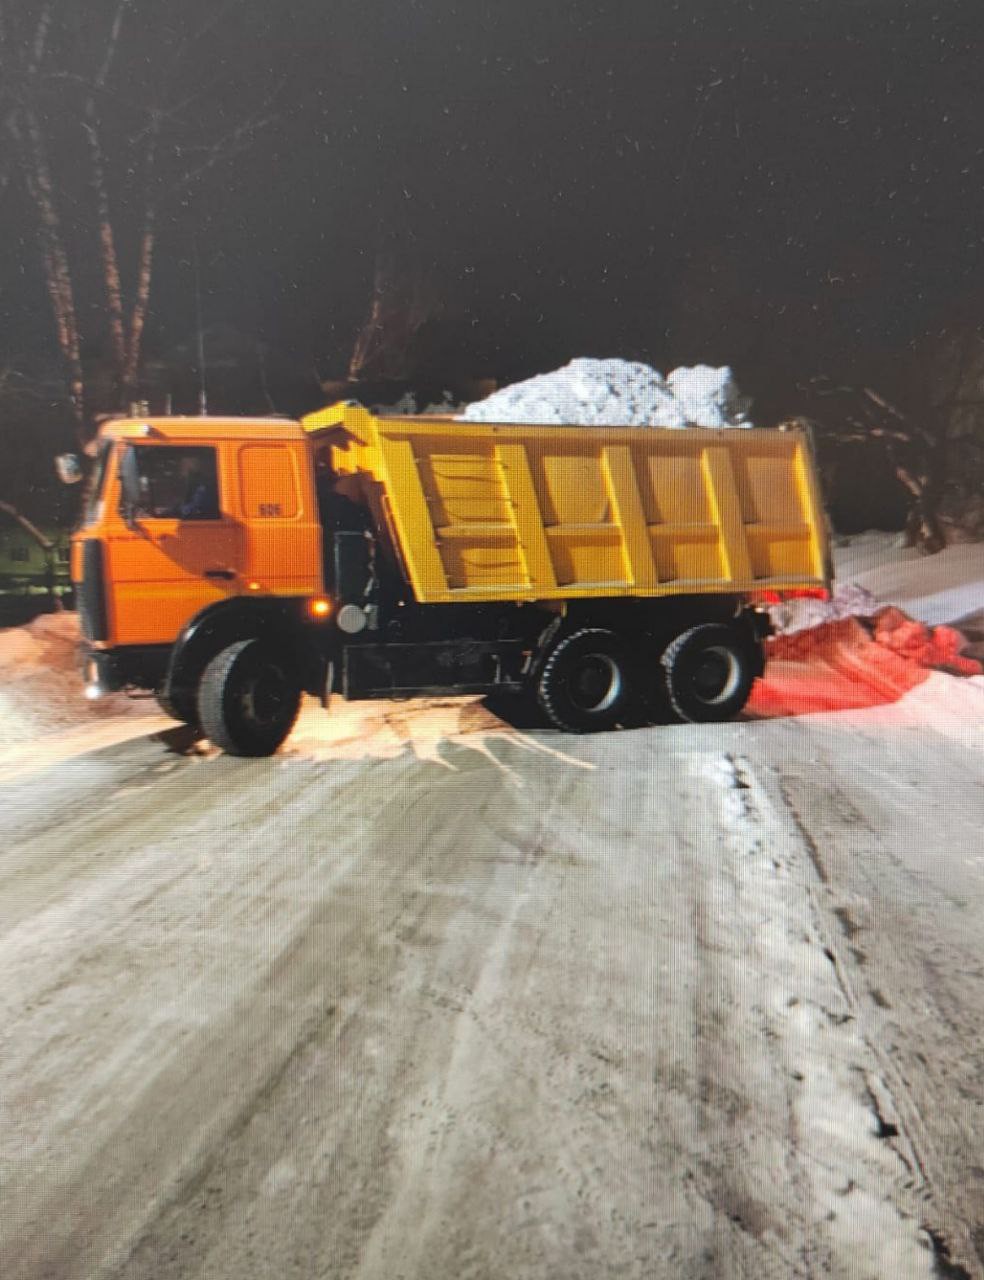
<point x="104" y="222"/>
<point x="40" y="40"/>
<point x="145" y="266"/>
<point x="107" y="246"/>
<point x="141" y="301"/>
<point x="923" y="528"/>
<point x="24" y="130"/>
<point x="58" y="279"/>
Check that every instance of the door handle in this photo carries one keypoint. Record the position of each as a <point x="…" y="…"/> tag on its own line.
<point x="226" y="574"/>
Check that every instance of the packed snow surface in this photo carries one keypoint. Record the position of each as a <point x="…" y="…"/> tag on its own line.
<point x="660" y="1046"/>
<point x="602" y="393"/>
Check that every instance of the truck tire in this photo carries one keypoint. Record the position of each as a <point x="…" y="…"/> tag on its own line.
<point x="585" y="684"/>
<point x="248" y="699"/>
<point x="708" y="672"/>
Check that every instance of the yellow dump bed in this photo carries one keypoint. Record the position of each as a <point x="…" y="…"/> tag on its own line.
<point x="484" y="511"/>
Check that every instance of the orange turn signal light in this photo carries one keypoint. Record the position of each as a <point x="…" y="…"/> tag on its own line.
<point x="319" y="607"/>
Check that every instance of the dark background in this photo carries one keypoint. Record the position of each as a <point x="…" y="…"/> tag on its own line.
<point x="791" y="188"/>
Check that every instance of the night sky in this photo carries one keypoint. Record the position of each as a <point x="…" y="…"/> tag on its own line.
<point x="787" y="187"/>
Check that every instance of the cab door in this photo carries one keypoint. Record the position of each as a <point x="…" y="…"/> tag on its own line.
<point x="176" y="550"/>
<point x="282" y="532"/>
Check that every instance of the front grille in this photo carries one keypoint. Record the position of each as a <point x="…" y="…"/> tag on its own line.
<point x="90" y="593"/>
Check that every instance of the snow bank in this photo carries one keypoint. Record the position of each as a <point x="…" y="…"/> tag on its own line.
<point x="48" y="643"/>
<point x="590" y="392"/>
<point x="943" y="589"/>
<point x="791" y="1036"/>
<point x="875" y="569"/>
<point x="41" y="687"/>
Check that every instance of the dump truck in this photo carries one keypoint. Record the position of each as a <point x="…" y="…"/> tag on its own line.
<point x="611" y="576"/>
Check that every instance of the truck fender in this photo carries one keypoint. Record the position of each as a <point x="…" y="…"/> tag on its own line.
<point x="219" y="625"/>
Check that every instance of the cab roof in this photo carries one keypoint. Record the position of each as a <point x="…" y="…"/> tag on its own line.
<point x="204" y="429"/>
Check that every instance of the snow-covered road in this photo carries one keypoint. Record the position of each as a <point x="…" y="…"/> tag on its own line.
<point x="429" y="996"/>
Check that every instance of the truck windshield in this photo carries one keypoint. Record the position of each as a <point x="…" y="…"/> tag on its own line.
<point x="177" y="482"/>
<point x="92" y="503"/>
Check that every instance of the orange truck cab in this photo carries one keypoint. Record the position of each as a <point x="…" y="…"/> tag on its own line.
<point x="616" y="576"/>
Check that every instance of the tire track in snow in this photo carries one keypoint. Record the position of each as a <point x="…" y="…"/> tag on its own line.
<point x="862" y="1195"/>
<point x="906" y="1082"/>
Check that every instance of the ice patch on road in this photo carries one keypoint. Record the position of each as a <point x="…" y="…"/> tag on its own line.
<point x="592" y="392"/>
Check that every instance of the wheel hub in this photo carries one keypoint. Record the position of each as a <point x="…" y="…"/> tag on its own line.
<point x="715" y="675"/>
<point x="595" y="684"/>
<point x="263" y="697"/>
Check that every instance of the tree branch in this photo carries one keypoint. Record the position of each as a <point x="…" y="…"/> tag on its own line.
<point x="27" y="526"/>
<point x="232" y="144"/>
<point x="217" y="15"/>
<point x="112" y="44"/>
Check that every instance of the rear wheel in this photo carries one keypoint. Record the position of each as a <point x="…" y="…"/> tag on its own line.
<point x="586" y="682"/>
<point x="708" y="672"/>
<point x="248" y="699"/>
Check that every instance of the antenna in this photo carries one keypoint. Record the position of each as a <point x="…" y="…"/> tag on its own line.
<point x="202" y="390"/>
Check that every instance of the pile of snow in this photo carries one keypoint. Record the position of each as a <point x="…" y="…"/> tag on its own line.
<point x="589" y="392"/>
<point x="41" y="687"/>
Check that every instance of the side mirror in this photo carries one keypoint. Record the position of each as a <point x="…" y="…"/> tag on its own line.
<point x="129" y="486"/>
<point x="68" y="468"/>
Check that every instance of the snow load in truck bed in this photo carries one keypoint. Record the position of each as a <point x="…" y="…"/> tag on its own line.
<point x="589" y="392"/>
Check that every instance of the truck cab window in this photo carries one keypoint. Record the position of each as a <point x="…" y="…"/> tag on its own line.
<point x="177" y="482"/>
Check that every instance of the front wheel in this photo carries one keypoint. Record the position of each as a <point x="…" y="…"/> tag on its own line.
<point x="708" y="672"/>
<point x="586" y="682"/>
<point x="248" y="700"/>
